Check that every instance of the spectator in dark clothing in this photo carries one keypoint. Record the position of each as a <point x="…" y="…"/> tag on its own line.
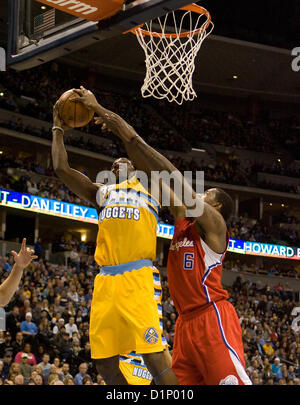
<point x="7" y="362"/>
<point x="38" y="248"/>
<point x="237" y="285"/>
<point x="84" y="356"/>
<point x="65" y="347"/>
<point x="262" y="305"/>
<point x="6" y="346"/>
<point x="18" y="344"/>
<point x="64" y="299"/>
<point x="65" y="315"/>
<point x="13" y="321"/>
<point x="257" y="346"/>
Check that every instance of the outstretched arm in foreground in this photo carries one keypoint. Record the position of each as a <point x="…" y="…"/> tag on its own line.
<point x="10" y="285"/>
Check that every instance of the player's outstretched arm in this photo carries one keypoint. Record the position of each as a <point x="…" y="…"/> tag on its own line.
<point x="210" y="224"/>
<point x="77" y="182"/>
<point x="10" y="285"/>
<point x="143" y="156"/>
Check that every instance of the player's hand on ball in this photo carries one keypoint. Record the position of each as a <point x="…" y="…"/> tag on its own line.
<point x="57" y="121"/>
<point x="25" y="256"/>
<point x="87" y="98"/>
<point x="99" y="121"/>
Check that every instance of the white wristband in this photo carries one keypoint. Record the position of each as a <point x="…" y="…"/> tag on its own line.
<point x="58" y="129"/>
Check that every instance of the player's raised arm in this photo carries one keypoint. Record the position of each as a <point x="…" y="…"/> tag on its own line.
<point x="210" y="223"/>
<point x="10" y="285"/>
<point x="77" y="182"/>
<point x="143" y="156"/>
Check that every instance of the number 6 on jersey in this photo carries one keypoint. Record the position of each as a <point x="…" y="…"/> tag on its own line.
<point x="188" y="261"/>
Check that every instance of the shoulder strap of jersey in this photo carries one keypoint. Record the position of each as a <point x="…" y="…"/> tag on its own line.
<point x="208" y="251"/>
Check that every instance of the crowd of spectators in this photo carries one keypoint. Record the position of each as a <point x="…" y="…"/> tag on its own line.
<point x="49" y="186"/>
<point x="277" y="167"/>
<point x="18" y="175"/>
<point x="47" y="335"/>
<point x="252" y="230"/>
<point x="172" y="128"/>
<point x="18" y="125"/>
<point x="270" y="270"/>
<point x="34" y="91"/>
<point x="223" y="170"/>
<point x="231" y="129"/>
<point x="229" y="171"/>
<point x="271" y="336"/>
<point x="46" y="338"/>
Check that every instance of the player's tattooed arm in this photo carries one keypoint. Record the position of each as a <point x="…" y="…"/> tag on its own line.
<point x="77" y="182"/>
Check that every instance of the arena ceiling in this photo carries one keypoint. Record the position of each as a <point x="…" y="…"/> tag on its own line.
<point x="261" y="70"/>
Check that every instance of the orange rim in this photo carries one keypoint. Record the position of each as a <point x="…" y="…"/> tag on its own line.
<point x="191" y="7"/>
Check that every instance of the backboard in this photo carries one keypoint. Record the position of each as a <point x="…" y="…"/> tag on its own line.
<point x="39" y="33"/>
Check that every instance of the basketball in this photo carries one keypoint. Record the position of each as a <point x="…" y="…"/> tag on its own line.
<point x="73" y="113"/>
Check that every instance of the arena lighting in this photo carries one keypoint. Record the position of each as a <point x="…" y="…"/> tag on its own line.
<point x="199" y="150"/>
<point x="32" y="203"/>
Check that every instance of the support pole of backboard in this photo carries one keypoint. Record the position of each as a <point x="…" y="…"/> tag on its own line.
<point x="28" y="18"/>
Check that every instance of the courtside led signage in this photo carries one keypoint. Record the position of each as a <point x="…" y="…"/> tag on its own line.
<point x="76" y="212"/>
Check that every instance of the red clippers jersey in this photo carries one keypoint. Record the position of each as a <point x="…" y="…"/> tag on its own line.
<point x="194" y="270"/>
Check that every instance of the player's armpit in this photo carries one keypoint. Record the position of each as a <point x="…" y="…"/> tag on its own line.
<point x="208" y="221"/>
<point x="79" y="184"/>
<point x="212" y="228"/>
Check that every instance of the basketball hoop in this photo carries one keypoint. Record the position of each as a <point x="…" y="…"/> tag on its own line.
<point x="170" y="57"/>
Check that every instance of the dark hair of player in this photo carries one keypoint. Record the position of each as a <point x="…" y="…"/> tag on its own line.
<point x="226" y="209"/>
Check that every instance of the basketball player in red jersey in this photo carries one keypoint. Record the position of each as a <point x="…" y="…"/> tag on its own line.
<point x="208" y="348"/>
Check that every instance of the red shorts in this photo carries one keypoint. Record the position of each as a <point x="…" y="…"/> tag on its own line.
<point x="208" y="347"/>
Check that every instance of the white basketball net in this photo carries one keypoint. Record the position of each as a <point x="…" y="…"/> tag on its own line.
<point x="170" y="61"/>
